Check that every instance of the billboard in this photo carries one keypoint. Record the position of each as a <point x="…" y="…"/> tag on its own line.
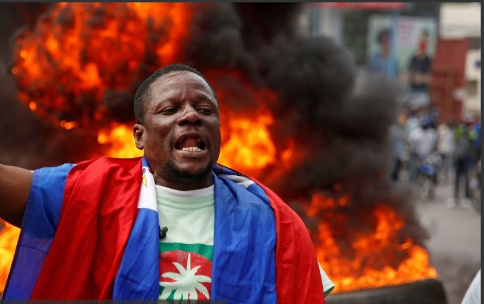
<point x="410" y="31"/>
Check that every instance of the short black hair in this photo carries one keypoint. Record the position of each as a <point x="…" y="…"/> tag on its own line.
<point x="383" y="36"/>
<point x="143" y="92"/>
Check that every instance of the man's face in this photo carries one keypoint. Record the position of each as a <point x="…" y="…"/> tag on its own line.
<point x="181" y="134"/>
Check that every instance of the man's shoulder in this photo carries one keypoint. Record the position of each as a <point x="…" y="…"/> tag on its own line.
<point x="253" y="187"/>
<point x="113" y="161"/>
<point x="121" y="162"/>
<point x="93" y="168"/>
<point x="242" y="186"/>
<point x="282" y="210"/>
<point x="108" y="162"/>
<point x="287" y="214"/>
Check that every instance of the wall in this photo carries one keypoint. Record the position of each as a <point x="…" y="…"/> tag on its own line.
<point x="459" y="20"/>
<point x="472" y="102"/>
<point x="463" y="21"/>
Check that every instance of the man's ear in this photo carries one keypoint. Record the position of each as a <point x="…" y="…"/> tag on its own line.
<point x="138" y="132"/>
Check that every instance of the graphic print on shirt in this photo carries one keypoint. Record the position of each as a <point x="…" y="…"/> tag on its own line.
<point x="186" y="251"/>
<point x="185" y="272"/>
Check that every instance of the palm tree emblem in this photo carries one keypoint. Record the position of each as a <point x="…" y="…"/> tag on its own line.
<point x="186" y="283"/>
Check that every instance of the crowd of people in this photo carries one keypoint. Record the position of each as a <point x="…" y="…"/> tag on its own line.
<point x="424" y="144"/>
<point x="451" y="148"/>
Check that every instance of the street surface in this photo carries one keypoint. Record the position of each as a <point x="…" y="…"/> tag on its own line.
<point x="454" y="243"/>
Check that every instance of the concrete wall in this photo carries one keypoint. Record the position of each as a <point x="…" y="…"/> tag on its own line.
<point x="472" y="101"/>
<point x="459" y="20"/>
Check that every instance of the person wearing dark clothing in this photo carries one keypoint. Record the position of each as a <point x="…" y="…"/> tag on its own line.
<point x="462" y="158"/>
<point x="419" y="69"/>
<point x="397" y="133"/>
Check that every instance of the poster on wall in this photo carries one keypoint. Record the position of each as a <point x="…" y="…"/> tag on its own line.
<point x="411" y="33"/>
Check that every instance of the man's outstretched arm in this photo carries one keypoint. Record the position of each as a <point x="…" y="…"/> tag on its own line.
<point x="15" y="185"/>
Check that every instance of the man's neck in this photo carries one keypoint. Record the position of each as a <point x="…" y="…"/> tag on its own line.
<point x="182" y="184"/>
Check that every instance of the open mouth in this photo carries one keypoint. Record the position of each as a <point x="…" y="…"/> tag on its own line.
<point x="190" y="143"/>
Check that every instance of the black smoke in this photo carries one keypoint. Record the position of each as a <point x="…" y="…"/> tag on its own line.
<point x="25" y="140"/>
<point x="340" y="125"/>
<point x="339" y="118"/>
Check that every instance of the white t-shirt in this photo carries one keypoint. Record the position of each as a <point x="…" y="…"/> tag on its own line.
<point x="445" y="140"/>
<point x="423" y="141"/>
<point x="187" y="250"/>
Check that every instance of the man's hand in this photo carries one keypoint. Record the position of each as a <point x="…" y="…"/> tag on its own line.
<point x="14" y="191"/>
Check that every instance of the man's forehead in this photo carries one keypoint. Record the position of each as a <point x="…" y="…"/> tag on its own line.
<point x="172" y="79"/>
<point x="180" y="77"/>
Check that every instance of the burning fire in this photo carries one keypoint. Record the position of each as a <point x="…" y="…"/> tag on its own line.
<point x="120" y="140"/>
<point x="82" y="51"/>
<point x="379" y="256"/>
<point x="8" y="242"/>
<point x="250" y="144"/>
<point x="64" y="68"/>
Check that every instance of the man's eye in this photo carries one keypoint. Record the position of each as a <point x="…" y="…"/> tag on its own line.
<point x="168" y="111"/>
<point x="206" y="111"/>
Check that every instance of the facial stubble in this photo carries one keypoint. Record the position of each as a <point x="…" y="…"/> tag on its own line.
<point x="174" y="173"/>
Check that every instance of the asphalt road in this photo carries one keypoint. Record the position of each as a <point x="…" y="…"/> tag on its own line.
<point x="455" y="241"/>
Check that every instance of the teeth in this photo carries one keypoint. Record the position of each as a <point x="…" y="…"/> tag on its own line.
<point x="192" y="149"/>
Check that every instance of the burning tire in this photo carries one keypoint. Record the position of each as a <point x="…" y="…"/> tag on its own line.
<point x="420" y="292"/>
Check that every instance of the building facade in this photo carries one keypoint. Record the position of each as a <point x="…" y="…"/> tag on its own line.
<point x="463" y="21"/>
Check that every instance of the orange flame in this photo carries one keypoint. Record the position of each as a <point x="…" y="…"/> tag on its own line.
<point x="249" y="145"/>
<point x="120" y="141"/>
<point x="380" y="256"/>
<point x="8" y="241"/>
<point x="81" y="51"/>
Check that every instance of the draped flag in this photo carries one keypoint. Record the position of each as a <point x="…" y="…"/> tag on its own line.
<point x="90" y="231"/>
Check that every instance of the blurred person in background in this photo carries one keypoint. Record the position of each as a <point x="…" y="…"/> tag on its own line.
<point x="413" y="121"/>
<point x="413" y="139"/>
<point x="397" y="133"/>
<point x="433" y="114"/>
<point x="423" y="143"/>
<point x="463" y="155"/>
<point x="476" y="136"/>
<point x="418" y="73"/>
<point x="413" y="133"/>
<point x="383" y="62"/>
<point x="445" y="147"/>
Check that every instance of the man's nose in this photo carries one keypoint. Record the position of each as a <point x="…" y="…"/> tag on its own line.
<point x="189" y="116"/>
